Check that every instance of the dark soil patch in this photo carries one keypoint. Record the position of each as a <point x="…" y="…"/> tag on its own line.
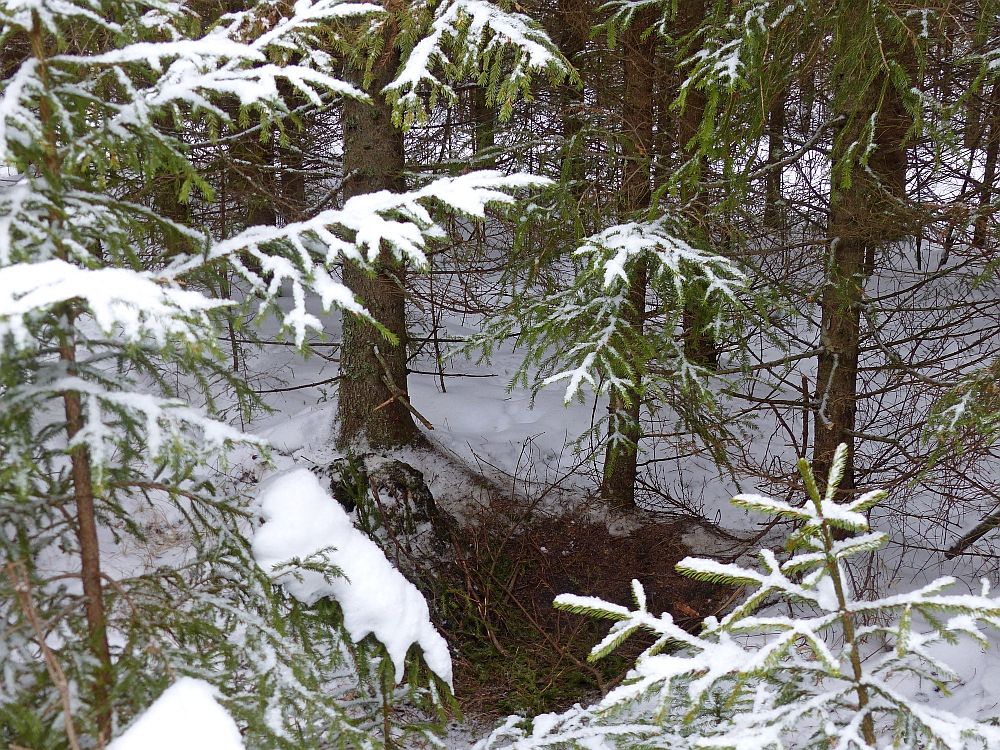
<point x="514" y="653"/>
<point x="491" y="583"/>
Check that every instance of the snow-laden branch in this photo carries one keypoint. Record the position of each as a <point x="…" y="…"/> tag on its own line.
<point x="165" y="421"/>
<point x="616" y="248"/>
<point x="220" y="62"/>
<point x="400" y="222"/>
<point x="729" y="48"/>
<point x="473" y="38"/>
<point x="595" y="311"/>
<point x="769" y="680"/>
<point x="129" y="304"/>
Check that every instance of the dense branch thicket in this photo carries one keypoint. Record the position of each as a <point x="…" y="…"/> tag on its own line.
<point x="752" y="237"/>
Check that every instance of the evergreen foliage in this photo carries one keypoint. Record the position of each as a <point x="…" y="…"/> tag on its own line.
<point x="107" y="338"/>
<point x="834" y="674"/>
<point x="578" y="334"/>
<point x="456" y="40"/>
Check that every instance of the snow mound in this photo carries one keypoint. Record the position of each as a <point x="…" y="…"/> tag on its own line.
<point x="302" y="521"/>
<point x="185" y="716"/>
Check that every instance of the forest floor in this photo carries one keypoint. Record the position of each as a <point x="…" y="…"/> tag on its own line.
<point x="525" y="528"/>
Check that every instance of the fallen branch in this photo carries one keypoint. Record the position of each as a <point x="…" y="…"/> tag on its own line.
<point x="398" y="394"/>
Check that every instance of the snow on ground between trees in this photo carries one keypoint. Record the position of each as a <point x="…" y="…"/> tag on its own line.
<point x="302" y="522"/>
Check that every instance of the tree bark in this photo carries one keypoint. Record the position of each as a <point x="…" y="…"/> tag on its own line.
<point x="774" y="209"/>
<point x="485" y="122"/>
<point x="989" y="171"/>
<point x="865" y="211"/>
<point x="80" y="474"/>
<point x="294" y="204"/>
<point x="700" y="346"/>
<point x="373" y="396"/>
<point x="90" y="552"/>
<point x="618" y="482"/>
<point x="570" y="30"/>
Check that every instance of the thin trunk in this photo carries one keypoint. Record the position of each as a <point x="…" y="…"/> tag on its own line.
<point x="774" y="208"/>
<point x="90" y="553"/>
<point x="837" y="374"/>
<point x="665" y="138"/>
<point x="373" y="399"/>
<point x="700" y="346"/>
<point x="618" y="484"/>
<point x="83" y="484"/>
<point x="571" y="30"/>
<point x="294" y="204"/>
<point x="253" y="179"/>
<point x="484" y="119"/>
<point x="865" y="212"/>
<point x="989" y="170"/>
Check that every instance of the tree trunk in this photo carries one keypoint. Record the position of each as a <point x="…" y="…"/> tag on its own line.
<point x="80" y="474"/>
<point x="700" y="346"/>
<point x="373" y="399"/>
<point x="618" y="483"/>
<point x="294" y="203"/>
<point x="90" y="552"/>
<point x="484" y="119"/>
<point x="989" y="170"/>
<point x="570" y="30"/>
<point x="866" y="211"/>
<point x="774" y="208"/>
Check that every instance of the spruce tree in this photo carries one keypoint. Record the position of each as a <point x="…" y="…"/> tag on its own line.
<point x="415" y="55"/>
<point x="801" y="661"/>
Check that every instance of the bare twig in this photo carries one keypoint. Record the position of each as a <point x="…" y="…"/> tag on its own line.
<point x="398" y="394"/>
<point x="22" y="589"/>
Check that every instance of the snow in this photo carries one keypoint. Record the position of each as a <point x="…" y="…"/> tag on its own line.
<point x="468" y="34"/>
<point x="302" y="521"/>
<point x="399" y="221"/>
<point x="129" y="303"/>
<point x="186" y="716"/>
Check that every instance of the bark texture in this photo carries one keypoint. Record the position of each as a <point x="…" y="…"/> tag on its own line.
<point x="618" y="482"/>
<point x="373" y="397"/>
<point x="774" y="213"/>
<point x="867" y="209"/>
<point x="989" y="170"/>
<point x="700" y="347"/>
<point x="570" y="30"/>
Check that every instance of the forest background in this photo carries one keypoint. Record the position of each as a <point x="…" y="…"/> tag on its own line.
<point x="592" y="268"/>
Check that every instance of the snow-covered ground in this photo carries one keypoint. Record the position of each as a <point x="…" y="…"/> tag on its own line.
<point x="525" y="444"/>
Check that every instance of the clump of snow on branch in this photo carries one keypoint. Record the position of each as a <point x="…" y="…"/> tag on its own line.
<point x="616" y="248"/>
<point x="725" y="54"/>
<point x="192" y="70"/>
<point x="309" y="545"/>
<point x="761" y="679"/>
<point x="129" y="304"/>
<point x="187" y="715"/>
<point x="473" y="37"/>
